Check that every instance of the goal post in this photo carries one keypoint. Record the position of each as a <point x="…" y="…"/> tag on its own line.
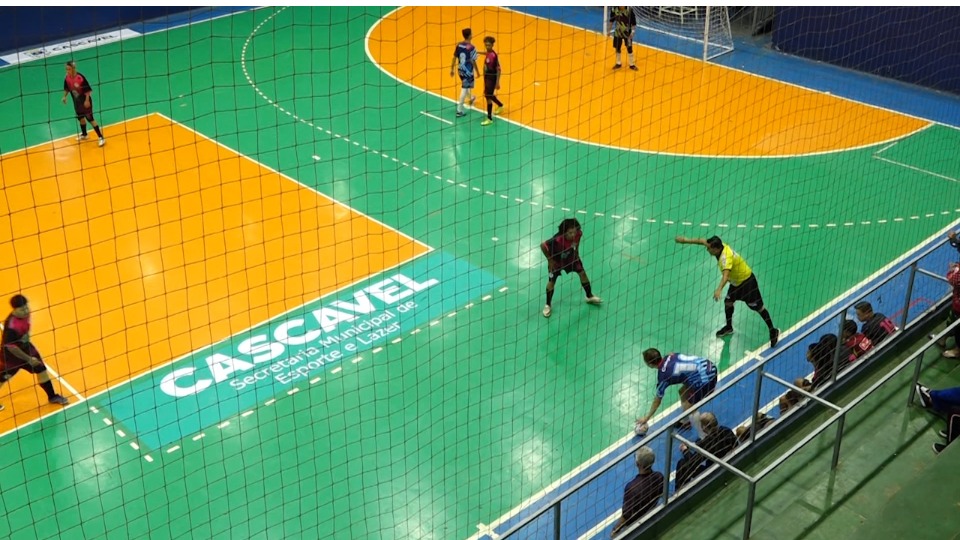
<point x="696" y="31"/>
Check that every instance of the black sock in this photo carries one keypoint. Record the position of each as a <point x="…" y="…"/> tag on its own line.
<point x="48" y="388"/>
<point x="549" y="297"/>
<point x="497" y="101"/>
<point x="490" y="109"/>
<point x="586" y="289"/>
<point x="99" y="133"/>
<point x="766" y="318"/>
<point x="83" y="129"/>
<point x="729" y="312"/>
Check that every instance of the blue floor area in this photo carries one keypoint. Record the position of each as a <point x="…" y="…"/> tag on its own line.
<point x="756" y="55"/>
<point x="601" y="497"/>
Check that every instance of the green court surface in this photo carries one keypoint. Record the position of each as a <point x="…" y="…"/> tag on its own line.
<point x="459" y="423"/>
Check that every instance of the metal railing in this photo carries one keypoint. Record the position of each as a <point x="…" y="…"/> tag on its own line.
<point x="910" y="268"/>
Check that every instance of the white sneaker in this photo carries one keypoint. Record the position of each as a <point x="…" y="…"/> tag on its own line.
<point x="594" y="300"/>
<point x="81" y="137"/>
<point x="102" y="142"/>
<point x="547" y="310"/>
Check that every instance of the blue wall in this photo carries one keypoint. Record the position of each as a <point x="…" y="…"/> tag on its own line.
<point x="26" y="27"/>
<point x="920" y="45"/>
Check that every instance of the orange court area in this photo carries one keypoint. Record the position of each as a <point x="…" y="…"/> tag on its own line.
<point x="559" y="80"/>
<point x="159" y="244"/>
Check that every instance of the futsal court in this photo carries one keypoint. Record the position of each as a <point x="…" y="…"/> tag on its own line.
<point x="295" y="296"/>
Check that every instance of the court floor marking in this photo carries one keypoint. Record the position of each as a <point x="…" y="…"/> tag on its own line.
<point x="304" y="386"/>
<point x="750" y="356"/>
<point x="366" y="45"/>
<point x="450" y="182"/>
<point x="429" y="250"/>
<point x="876" y="155"/>
<point x="731" y="68"/>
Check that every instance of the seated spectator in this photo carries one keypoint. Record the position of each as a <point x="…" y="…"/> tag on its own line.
<point x="876" y="326"/>
<point x="855" y="344"/>
<point x="642" y="493"/>
<point x="718" y="440"/>
<point x="820" y="355"/>
<point x="947" y="403"/>
<point x="953" y="277"/>
<point x="743" y="432"/>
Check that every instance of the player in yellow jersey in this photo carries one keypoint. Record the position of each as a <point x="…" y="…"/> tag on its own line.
<point x="743" y="284"/>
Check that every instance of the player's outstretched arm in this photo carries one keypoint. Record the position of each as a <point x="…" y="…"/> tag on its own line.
<point x="696" y="241"/>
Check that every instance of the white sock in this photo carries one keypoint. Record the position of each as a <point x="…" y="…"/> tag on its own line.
<point x="463" y="96"/>
<point x="695" y="422"/>
<point x="618" y="58"/>
<point x="630" y="56"/>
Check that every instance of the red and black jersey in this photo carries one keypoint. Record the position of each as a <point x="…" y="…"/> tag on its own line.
<point x="856" y="346"/>
<point x="563" y="250"/>
<point x="77" y="85"/>
<point x="16" y="332"/>
<point x="491" y="65"/>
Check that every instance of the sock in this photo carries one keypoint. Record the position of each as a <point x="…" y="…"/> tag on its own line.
<point x="618" y="58"/>
<point x="695" y="422"/>
<point x="99" y="133"/>
<point x="490" y="109"/>
<point x="463" y="97"/>
<point x="497" y="101"/>
<point x="549" y="297"/>
<point x="83" y="129"/>
<point x="728" y="310"/>
<point x="586" y="289"/>
<point x="766" y="318"/>
<point x="630" y="56"/>
<point x="48" y="388"/>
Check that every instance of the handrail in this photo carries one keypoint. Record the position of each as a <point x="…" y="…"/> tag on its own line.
<point x="910" y="265"/>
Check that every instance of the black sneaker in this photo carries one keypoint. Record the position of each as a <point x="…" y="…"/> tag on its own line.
<point x="938" y="447"/>
<point x="774" y="337"/>
<point x="634" y="68"/>
<point x="57" y="399"/>
<point x="925" y="400"/>
<point x="725" y="331"/>
<point x="942" y="433"/>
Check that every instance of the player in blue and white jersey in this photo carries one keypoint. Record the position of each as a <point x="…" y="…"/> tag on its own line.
<point x="696" y="376"/>
<point x="466" y="56"/>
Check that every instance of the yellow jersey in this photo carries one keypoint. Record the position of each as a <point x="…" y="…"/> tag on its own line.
<point x="732" y="261"/>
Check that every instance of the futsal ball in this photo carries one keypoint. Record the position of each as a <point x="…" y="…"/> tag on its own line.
<point x="640" y="429"/>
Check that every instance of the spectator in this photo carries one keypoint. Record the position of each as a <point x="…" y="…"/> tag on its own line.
<point x="718" y="440"/>
<point x="820" y="355"/>
<point x="876" y="326"/>
<point x="743" y="432"/>
<point x="953" y="276"/>
<point x="855" y="344"/>
<point x="641" y="494"/>
<point x="947" y="403"/>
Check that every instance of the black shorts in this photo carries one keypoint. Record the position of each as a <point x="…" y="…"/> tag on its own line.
<point x="489" y="86"/>
<point x="83" y="112"/>
<point x="696" y="394"/>
<point x="12" y="364"/>
<point x="619" y="41"/>
<point x="575" y="266"/>
<point x="747" y="292"/>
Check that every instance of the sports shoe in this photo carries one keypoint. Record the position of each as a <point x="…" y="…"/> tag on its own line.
<point x="617" y="66"/>
<point x="547" y="310"/>
<point x="925" y="400"/>
<point x="774" y="337"/>
<point x="942" y="433"/>
<point x="1" y="407"/>
<point x="498" y="110"/>
<point x="938" y="447"/>
<point x="595" y="300"/>
<point x="102" y="142"/>
<point x="951" y="353"/>
<point x="461" y="114"/>
<point x="486" y="122"/>
<point x="81" y="137"/>
<point x="634" y="68"/>
<point x="57" y="399"/>
<point x="725" y="331"/>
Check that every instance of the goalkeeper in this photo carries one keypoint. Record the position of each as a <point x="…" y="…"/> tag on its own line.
<point x="622" y="24"/>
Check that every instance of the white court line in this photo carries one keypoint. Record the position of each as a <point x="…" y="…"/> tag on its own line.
<point x="748" y="357"/>
<point x="917" y="169"/>
<point x="444" y="120"/>
<point x="661" y="153"/>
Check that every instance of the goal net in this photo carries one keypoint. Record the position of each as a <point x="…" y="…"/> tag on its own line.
<point x="698" y="31"/>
